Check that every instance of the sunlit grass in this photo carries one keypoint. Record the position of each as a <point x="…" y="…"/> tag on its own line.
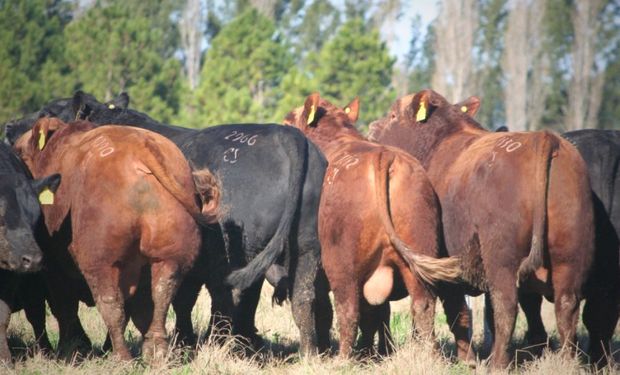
<point x="276" y="325"/>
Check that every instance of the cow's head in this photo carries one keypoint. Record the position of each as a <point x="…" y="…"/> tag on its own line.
<point x="417" y="122"/>
<point x="20" y="216"/>
<point x="322" y="121"/>
<point x="33" y="145"/>
<point x="87" y="107"/>
<point x="60" y="108"/>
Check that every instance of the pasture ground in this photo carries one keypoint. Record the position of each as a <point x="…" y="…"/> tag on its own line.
<point x="276" y="325"/>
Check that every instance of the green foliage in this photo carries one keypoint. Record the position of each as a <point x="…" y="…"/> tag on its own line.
<point x="420" y="58"/>
<point x="118" y="47"/>
<point x="356" y="63"/>
<point x="488" y="66"/>
<point x="31" y="58"/>
<point x="240" y="73"/>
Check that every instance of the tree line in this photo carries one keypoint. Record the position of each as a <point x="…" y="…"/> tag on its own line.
<point x="535" y="64"/>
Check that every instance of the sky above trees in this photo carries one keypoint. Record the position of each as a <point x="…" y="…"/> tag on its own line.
<point x="203" y="62"/>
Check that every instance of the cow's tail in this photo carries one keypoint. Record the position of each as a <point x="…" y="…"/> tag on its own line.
<point x="546" y="145"/>
<point x="243" y="278"/>
<point x="204" y="215"/>
<point x="428" y="269"/>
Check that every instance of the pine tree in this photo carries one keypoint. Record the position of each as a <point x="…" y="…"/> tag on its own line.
<point x="356" y="63"/>
<point x="241" y="70"/>
<point x="121" y="46"/>
<point x="32" y="70"/>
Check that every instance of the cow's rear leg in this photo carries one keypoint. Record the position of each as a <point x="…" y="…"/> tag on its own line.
<point x="183" y="303"/>
<point x="567" y="296"/>
<point x="244" y="314"/>
<point x="165" y="280"/>
<point x="536" y="335"/>
<point x="600" y="316"/>
<point x="33" y="288"/>
<point x="504" y="301"/>
<point x="105" y="286"/>
<point x="347" y="298"/>
<point x="376" y="320"/>
<point x="323" y="313"/>
<point x="459" y="320"/>
<point x="64" y="306"/>
<point x="303" y="299"/>
<point x="422" y="307"/>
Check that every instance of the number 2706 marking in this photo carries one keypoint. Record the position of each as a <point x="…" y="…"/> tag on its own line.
<point x="241" y="137"/>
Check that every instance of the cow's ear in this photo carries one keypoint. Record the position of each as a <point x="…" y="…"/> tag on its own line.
<point x="120" y="102"/>
<point x="423" y="105"/>
<point x="43" y="130"/>
<point x="469" y="106"/>
<point x="46" y="187"/>
<point x="308" y="115"/>
<point x="80" y="106"/>
<point x="352" y="109"/>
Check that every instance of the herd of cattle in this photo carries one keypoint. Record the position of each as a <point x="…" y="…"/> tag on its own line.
<point x="138" y="217"/>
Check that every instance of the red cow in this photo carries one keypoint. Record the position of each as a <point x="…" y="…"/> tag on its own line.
<point x="516" y="207"/>
<point x="130" y="197"/>
<point x="378" y="227"/>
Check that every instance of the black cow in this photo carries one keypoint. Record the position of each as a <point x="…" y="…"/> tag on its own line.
<point x="21" y="232"/>
<point x="601" y="151"/>
<point x="271" y="178"/>
<point x="60" y="108"/>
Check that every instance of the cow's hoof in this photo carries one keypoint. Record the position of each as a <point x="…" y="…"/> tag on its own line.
<point x="186" y="340"/>
<point x="154" y="349"/>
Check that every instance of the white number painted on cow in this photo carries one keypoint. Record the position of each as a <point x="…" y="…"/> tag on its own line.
<point x="345" y="161"/>
<point x="231" y="155"/>
<point x="103" y="145"/>
<point x="241" y="137"/>
<point x="508" y="144"/>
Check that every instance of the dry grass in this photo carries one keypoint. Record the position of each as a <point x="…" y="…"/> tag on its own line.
<point x="277" y="327"/>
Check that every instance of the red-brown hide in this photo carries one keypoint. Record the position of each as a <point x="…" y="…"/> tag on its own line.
<point x="378" y="222"/>
<point x="132" y="202"/>
<point x="516" y="207"/>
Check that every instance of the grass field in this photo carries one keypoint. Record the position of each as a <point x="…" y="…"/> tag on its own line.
<point x="276" y="325"/>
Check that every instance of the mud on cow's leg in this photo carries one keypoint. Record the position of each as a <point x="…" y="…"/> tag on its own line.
<point x="505" y="305"/>
<point x="459" y="320"/>
<point x="304" y="300"/>
<point x="567" y="296"/>
<point x="105" y="286"/>
<point x="536" y="334"/>
<point x="165" y="280"/>
<point x="347" y="298"/>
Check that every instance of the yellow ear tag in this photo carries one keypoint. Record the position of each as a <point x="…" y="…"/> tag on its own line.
<point x="46" y="196"/>
<point x="111" y="106"/>
<point x="464" y="109"/>
<point x="41" y="140"/>
<point x="347" y="110"/>
<point x="311" y="115"/>
<point x="421" y="115"/>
